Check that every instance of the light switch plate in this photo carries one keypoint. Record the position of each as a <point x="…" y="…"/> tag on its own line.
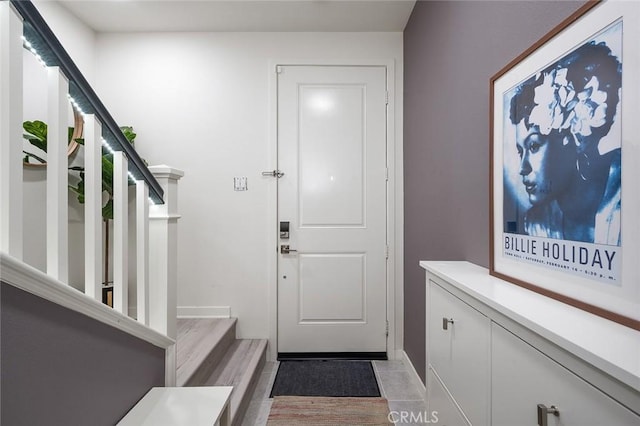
<point x="240" y="183"/>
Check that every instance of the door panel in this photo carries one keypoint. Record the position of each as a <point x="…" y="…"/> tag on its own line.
<point x="332" y="150"/>
<point x="332" y="155"/>
<point x="325" y="297"/>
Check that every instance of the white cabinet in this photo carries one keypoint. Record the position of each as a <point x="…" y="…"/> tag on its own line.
<point x="495" y="357"/>
<point x="442" y="406"/>
<point x="523" y="377"/>
<point x="459" y="352"/>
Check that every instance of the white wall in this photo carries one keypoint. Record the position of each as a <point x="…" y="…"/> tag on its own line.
<point x="201" y="102"/>
<point x="76" y="37"/>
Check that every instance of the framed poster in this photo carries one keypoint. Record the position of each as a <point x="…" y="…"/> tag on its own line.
<point x="565" y="154"/>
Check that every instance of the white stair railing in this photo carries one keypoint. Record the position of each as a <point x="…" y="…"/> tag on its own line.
<point x="142" y="251"/>
<point x="57" y="176"/>
<point x="155" y="242"/>
<point x="10" y="131"/>
<point x="93" y="207"/>
<point x="120" y="240"/>
<point x="163" y="242"/>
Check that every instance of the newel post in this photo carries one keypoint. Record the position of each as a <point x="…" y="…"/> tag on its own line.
<point x="163" y="253"/>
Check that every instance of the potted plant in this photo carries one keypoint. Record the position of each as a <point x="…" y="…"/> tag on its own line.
<point x="36" y="134"/>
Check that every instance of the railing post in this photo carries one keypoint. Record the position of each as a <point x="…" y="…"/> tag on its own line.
<point x="163" y="259"/>
<point x="11" y="222"/>
<point x="57" y="177"/>
<point x="93" y="207"/>
<point x="142" y="251"/>
<point x="120" y="233"/>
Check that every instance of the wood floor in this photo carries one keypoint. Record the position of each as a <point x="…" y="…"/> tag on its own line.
<point x="208" y="354"/>
<point x="202" y="342"/>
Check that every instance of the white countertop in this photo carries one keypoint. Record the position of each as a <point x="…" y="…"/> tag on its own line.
<point x="173" y="406"/>
<point x="609" y="346"/>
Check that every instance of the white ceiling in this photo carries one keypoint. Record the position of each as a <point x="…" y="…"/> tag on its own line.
<point x="242" y="15"/>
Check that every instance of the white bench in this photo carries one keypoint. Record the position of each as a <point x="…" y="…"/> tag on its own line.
<point x="180" y="406"/>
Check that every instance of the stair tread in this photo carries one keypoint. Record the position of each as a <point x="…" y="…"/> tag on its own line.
<point x="240" y="368"/>
<point x="197" y="338"/>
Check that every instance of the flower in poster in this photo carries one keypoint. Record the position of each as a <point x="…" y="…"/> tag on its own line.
<point x="551" y="99"/>
<point x="590" y="109"/>
<point x="559" y="107"/>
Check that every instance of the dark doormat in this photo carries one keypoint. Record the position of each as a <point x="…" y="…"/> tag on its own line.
<point x="325" y="378"/>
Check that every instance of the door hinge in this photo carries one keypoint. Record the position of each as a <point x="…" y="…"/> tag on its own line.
<point x="278" y="69"/>
<point x="386" y="331"/>
<point x="386" y="251"/>
<point x="386" y="174"/>
<point x="386" y="97"/>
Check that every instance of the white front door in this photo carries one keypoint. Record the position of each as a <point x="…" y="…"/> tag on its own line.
<point x="332" y="151"/>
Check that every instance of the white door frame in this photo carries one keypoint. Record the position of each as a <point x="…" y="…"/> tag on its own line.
<point x="395" y="293"/>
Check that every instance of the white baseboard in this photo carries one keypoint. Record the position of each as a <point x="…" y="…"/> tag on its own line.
<point x="414" y="375"/>
<point x="204" y="311"/>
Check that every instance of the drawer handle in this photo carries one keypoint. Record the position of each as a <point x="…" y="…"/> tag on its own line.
<point x="446" y="322"/>
<point x="543" y="413"/>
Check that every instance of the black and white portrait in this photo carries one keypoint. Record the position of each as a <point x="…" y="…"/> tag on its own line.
<point x="562" y="156"/>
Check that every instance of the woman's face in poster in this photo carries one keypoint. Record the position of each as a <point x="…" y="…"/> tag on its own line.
<point x="546" y="163"/>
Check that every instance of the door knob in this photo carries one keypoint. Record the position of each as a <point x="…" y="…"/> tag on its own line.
<point x="543" y="413"/>
<point x="284" y="249"/>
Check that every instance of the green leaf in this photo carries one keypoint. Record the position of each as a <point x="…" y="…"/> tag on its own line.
<point x="107" y="169"/>
<point x="128" y="133"/>
<point x="79" y="191"/>
<point x="107" y="175"/>
<point x="107" y="210"/>
<point x="42" y="145"/>
<point x="36" y="134"/>
<point x="36" y="128"/>
<point x="28" y="155"/>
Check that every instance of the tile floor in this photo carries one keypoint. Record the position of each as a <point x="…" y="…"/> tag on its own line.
<point x="395" y="379"/>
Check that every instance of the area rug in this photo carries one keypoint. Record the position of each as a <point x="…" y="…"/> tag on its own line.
<point x="325" y="378"/>
<point x="322" y="411"/>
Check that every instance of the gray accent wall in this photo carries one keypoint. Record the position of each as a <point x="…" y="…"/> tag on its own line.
<point x="59" y="367"/>
<point x="451" y="50"/>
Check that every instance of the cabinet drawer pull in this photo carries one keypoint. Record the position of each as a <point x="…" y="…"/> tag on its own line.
<point x="446" y="322"/>
<point x="543" y="413"/>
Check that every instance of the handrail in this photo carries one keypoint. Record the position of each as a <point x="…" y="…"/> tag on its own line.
<point x="42" y="38"/>
<point x="31" y="280"/>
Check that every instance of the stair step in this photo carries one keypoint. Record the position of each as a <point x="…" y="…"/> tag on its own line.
<point x="240" y="368"/>
<point x="201" y="346"/>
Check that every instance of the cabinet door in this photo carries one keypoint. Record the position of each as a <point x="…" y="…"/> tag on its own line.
<point x="441" y="408"/>
<point x="523" y="377"/>
<point x="460" y="354"/>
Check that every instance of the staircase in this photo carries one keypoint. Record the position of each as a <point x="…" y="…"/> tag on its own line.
<point x="208" y="354"/>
